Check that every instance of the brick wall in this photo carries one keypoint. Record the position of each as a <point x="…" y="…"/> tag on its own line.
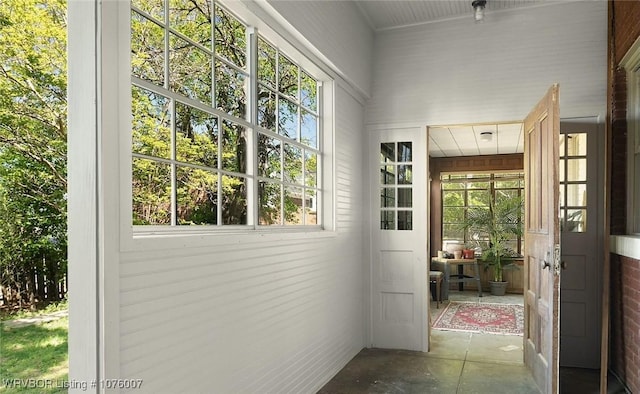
<point x="624" y="349"/>
<point x="626" y="15"/>
<point x="625" y="317"/>
<point x="618" y="127"/>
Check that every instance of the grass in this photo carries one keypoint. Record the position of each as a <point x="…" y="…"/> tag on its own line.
<point x="38" y="352"/>
<point x="23" y="313"/>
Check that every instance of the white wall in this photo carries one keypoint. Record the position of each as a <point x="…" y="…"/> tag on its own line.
<point x="457" y="71"/>
<point x="252" y="312"/>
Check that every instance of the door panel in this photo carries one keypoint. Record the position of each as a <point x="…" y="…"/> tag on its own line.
<point x="580" y="172"/>
<point x="542" y="242"/>
<point x="398" y="273"/>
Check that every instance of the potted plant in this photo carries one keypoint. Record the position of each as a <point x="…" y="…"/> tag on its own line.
<point x="498" y="223"/>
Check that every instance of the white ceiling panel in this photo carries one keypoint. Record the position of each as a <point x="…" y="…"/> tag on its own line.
<point x="452" y="141"/>
<point x="386" y="14"/>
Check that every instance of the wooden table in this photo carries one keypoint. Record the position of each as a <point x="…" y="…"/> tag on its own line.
<point x="444" y="265"/>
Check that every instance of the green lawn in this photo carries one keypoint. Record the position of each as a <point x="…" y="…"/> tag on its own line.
<point x="34" y="359"/>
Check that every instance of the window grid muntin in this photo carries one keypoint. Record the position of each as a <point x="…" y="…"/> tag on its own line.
<point x="469" y="184"/>
<point x="391" y="213"/>
<point x="252" y="128"/>
<point x="565" y="208"/>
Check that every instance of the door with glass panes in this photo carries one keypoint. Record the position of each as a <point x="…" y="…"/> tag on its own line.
<point x="580" y="196"/>
<point x="399" y="307"/>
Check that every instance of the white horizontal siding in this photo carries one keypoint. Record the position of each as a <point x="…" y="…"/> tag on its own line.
<point x="252" y="315"/>
<point x="339" y="31"/>
<point x="460" y="72"/>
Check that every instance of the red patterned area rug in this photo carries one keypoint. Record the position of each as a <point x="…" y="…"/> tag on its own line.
<point x="487" y="318"/>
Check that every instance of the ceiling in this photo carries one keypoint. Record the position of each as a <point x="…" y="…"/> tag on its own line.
<point x="388" y="14"/>
<point x="450" y="141"/>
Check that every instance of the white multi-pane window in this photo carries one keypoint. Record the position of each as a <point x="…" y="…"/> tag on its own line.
<point x="226" y="126"/>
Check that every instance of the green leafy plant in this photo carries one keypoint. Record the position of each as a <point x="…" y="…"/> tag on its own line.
<point x="499" y="222"/>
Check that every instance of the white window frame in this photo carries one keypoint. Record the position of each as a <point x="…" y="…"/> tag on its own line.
<point x="304" y="58"/>
<point x="631" y="64"/>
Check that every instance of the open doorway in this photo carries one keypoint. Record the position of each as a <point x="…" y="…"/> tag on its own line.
<point x="472" y="167"/>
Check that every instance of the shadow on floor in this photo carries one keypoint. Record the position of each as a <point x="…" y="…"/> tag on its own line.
<point x="459" y="362"/>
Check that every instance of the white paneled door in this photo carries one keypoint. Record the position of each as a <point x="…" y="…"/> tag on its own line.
<point x="398" y="169"/>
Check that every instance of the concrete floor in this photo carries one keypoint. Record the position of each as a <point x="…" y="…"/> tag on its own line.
<point x="459" y="362"/>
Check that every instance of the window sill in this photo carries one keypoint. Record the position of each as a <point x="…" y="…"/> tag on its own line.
<point x="197" y="238"/>
<point x="626" y="245"/>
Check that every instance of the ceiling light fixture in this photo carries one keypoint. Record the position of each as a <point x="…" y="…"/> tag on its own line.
<point x="478" y="10"/>
<point x="486" y="136"/>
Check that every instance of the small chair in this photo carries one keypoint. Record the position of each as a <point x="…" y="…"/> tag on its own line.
<point x="436" y="277"/>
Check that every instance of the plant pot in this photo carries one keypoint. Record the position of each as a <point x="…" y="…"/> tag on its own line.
<point x="498" y="288"/>
<point x="468" y="253"/>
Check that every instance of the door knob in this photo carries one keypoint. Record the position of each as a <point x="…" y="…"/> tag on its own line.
<point x="563" y="265"/>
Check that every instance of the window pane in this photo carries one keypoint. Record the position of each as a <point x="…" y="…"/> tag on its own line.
<point x="387" y="152"/>
<point x="576" y="170"/>
<point x="452" y="232"/>
<point x="388" y="175"/>
<point x="452" y="199"/>
<point x="193" y="19"/>
<point x="478" y="185"/>
<point x="147" y="49"/>
<point x="269" y="200"/>
<point x="561" y="194"/>
<point x="234" y="200"/>
<point x="576" y="195"/>
<point x="269" y="157"/>
<point x="512" y="184"/>
<point x="196" y="136"/>
<point x="231" y="95"/>
<point x="190" y="70"/>
<point x="197" y="196"/>
<point x="311" y="216"/>
<point x="293" y="205"/>
<point x="405" y="220"/>
<point x="309" y="129"/>
<point x="234" y="147"/>
<point x="405" y="197"/>
<point x="308" y="91"/>
<point x="576" y="220"/>
<point x="387" y="197"/>
<point x="311" y="169"/>
<point x="387" y="220"/>
<point x="153" y="8"/>
<point x="577" y="144"/>
<point x="454" y="186"/>
<point x="502" y="195"/>
<point x="292" y="164"/>
<point x="405" y="174"/>
<point x="266" y="63"/>
<point x="151" y="192"/>
<point x="287" y="77"/>
<point x="151" y="127"/>
<point x="266" y="108"/>
<point x="561" y="170"/>
<point x="453" y="215"/>
<point x="404" y="152"/>
<point x="287" y="118"/>
<point x="478" y="198"/>
<point x="230" y="38"/>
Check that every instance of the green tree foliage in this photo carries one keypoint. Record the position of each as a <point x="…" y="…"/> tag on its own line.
<point x="33" y="105"/>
